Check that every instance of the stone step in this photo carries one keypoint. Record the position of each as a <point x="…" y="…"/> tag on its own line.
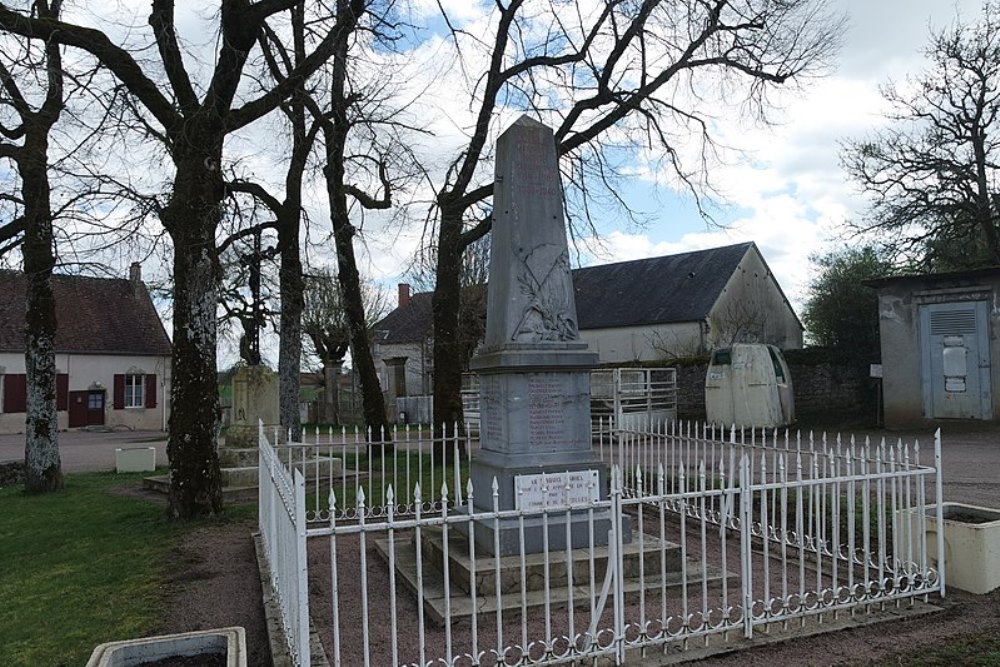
<point x="651" y="551"/>
<point x="243" y="476"/>
<point x="460" y="601"/>
<point x="231" y="494"/>
<point x="238" y="457"/>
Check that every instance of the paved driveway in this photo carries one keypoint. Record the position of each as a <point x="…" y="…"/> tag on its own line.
<point x="89" y="451"/>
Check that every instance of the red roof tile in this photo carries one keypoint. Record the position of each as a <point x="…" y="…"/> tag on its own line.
<point x="93" y="315"/>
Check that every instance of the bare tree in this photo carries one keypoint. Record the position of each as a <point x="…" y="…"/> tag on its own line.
<point x="931" y="175"/>
<point x="26" y="143"/>
<point x="326" y="327"/>
<point x="347" y="110"/>
<point x="623" y="74"/>
<point x="193" y="120"/>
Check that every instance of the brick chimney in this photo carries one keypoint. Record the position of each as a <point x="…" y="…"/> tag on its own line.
<point x="404" y="294"/>
<point x="135" y="273"/>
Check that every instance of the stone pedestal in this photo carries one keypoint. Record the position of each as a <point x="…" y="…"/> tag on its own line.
<point x="255" y="396"/>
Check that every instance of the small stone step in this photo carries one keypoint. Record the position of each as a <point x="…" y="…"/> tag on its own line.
<point x="238" y="457"/>
<point x="651" y="550"/>
<point x="460" y="601"/>
<point x="159" y="483"/>
<point x="231" y="494"/>
<point x="242" y="476"/>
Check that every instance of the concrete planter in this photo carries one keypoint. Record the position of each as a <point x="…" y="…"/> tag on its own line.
<point x="230" y="642"/>
<point x="971" y="546"/>
<point x="135" y="459"/>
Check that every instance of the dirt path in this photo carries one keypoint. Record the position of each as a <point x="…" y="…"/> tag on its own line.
<point x="214" y="583"/>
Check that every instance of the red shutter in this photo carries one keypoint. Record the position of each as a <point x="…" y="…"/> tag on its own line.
<point x="15" y="393"/>
<point x="62" y="391"/>
<point x="151" y="391"/>
<point x="119" y="398"/>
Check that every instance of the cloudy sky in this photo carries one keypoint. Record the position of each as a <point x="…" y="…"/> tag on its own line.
<point x="790" y="196"/>
<point x="787" y="192"/>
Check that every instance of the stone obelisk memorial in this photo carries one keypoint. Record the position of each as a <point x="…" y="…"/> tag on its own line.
<point x="535" y="430"/>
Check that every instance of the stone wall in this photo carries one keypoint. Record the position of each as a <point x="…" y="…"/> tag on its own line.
<point x="828" y="390"/>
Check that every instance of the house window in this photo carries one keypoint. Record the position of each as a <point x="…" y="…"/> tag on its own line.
<point x="134" y="384"/>
<point x="134" y="390"/>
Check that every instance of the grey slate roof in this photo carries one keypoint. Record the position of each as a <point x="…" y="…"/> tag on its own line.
<point x="658" y="290"/>
<point x="409" y="324"/>
<point x="93" y="315"/>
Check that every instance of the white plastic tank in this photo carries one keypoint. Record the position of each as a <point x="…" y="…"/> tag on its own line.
<point x="748" y="385"/>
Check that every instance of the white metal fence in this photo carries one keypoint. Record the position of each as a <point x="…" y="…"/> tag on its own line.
<point x="346" y="461"/>
<point x="698" y="534"/>
<point x="282" y="521"/>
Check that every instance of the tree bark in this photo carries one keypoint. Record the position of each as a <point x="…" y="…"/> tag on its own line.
<point x="43" y="468"/>
<point x="291" y="286"/>
<point x="191" y="219"/>
<point x="445" y="304"/>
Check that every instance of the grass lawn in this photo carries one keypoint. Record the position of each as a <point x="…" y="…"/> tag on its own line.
<point x="79" y="568"/>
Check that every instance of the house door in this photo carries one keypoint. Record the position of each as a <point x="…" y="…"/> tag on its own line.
<point x="86" y="408"/>
<point x="956" y="360"/>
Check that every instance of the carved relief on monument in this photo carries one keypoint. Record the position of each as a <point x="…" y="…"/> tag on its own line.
<point x="543" y="277"/>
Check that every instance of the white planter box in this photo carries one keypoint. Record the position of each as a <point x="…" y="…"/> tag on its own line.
<point x="230" y="641"/>
<point x="135" y="459"/>
<point x="971" y="546"/>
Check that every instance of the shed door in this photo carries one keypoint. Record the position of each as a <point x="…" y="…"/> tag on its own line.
<point x="956" y="360"/>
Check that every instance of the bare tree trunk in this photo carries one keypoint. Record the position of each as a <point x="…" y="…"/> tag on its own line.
<point x="336" y="132"/>
<point x="448" y="357"/>
<point x="43" y="469"/>
<point x="191" y="218"/>
<point x="291" y="286"/>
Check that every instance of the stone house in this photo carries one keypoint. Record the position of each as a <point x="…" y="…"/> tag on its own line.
<point x="659" y="308"/>
<point x="112" y="354"/>
<point x="938" y="356"/>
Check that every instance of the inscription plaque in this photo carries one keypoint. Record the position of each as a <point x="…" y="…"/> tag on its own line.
<point x="556" y="489"/>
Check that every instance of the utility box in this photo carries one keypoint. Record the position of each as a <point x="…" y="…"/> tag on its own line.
<point x="135" y="459"/>
<point x="749" y="385"/>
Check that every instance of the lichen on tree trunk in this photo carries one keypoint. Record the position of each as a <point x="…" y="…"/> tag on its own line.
<point x="191" y="219"/>
<point x="43" y="468"/>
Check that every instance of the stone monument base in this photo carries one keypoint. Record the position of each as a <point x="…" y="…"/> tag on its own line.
<point x="255" y="397"/>
<point x="505" y="469"/>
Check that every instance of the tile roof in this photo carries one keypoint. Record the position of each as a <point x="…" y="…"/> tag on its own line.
<point x="409" y="324"/>
<point x="658" y="290"/>
<point x="93" y="315"/>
